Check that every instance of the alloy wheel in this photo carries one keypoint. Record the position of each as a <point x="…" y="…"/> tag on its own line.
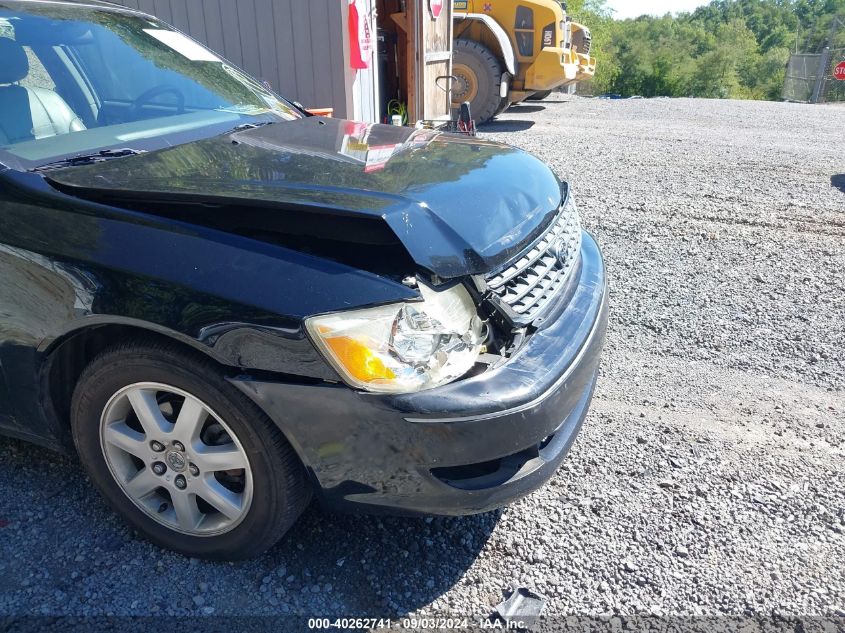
<point x="176" y="459"/>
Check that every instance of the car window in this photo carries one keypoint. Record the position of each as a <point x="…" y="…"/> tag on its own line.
<point x="113" y="69"/>
<point x="75" y="79"/>
<point x="38" y="76"/>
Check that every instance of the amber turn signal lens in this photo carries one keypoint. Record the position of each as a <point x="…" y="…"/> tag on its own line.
<point x="358" y="360"/>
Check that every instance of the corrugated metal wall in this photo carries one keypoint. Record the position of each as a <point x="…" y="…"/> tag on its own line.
<point x="297" y="45"/>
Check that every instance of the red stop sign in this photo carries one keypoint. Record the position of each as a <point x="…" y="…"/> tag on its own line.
<point x="436" y="8"/>
<point x="839" y="71"/>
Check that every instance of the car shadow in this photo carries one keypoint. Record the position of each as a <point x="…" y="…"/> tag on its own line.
<point x="63" y="540"/>
<point x="505" y="125"/>
<point x="383" y="566"/>
<point x="838" y="181"/>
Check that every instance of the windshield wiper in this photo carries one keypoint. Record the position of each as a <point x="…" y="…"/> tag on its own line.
<point x="89" y="159"/>
<point x="249" y="126"/>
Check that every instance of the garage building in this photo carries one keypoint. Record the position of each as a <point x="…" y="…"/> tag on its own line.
<point x="401" y="59"/>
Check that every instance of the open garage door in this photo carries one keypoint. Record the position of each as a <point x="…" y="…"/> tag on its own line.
<point x="434" y="59"/>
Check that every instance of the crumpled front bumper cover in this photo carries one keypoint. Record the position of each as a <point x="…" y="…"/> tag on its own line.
<point x="463" y="448"/>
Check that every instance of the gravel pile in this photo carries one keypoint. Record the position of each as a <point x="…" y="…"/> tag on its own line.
<point x="709" y="478"/>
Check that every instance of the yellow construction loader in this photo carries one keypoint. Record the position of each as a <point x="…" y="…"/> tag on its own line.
<point x="506" y="51"/>
<point x="582" y="42"/>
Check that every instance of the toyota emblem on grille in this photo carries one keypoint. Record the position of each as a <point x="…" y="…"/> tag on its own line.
<point x="561" y="253"/>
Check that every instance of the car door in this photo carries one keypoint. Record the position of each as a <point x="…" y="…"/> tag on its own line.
<point x="40" y="293"/>
<point x="23" y="284"/>
<point x="12" y="336"/>
<point x="18" y="318"/>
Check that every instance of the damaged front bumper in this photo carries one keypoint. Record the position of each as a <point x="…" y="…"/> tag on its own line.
<point x="466" y="447"/>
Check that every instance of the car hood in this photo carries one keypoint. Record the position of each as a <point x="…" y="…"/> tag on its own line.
<point x="458" y="205"/>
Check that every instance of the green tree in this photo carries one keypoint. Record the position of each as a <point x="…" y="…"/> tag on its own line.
<point x="726" y="49"/>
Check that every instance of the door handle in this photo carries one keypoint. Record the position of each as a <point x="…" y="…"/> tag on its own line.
<point x="449" y="77"/>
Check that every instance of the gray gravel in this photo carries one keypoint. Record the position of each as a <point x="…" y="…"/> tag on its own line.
<point x="709" y="478"/>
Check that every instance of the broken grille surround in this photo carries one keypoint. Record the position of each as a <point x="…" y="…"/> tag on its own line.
<point x="525" y="288"/>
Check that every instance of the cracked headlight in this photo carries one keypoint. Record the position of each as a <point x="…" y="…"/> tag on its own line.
<point x="403" y="347"/>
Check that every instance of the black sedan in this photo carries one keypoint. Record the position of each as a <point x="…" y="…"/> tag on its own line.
<point x="226" y="306"/>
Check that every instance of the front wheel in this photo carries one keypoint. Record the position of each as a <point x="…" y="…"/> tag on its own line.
<point x="182" y="455"/>
<point x="479" y="79"/>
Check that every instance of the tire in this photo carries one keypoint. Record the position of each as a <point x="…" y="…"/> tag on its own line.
<point x="479" y="76"/>
<point x="504" y="104"/>
<point x="242" y="485"/>
<point x="539" y="96"/>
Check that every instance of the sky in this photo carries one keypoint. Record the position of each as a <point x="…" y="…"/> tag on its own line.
<point x="635" y="8"/>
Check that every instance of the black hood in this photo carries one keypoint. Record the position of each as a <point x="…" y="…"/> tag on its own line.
<point x="458" y="205"/>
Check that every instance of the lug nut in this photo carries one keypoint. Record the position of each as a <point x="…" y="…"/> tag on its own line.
<point x="158" y="447"/>
<point x="179" y="446"/>
<point x="195" y="471"/>
<point x="159" y="468"/>
<point x="180" y="482"/>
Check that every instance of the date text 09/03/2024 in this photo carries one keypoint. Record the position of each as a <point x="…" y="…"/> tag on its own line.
<point x="414" y="624"/>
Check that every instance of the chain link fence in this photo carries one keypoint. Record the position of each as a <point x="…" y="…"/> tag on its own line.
<point x="801" y="76"/>
<point x="810" y="75"/>
<point x="832" y="89"/>
<point x="810" y="79"/>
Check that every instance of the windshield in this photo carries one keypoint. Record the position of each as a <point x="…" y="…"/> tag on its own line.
<point x="75" y="80"/>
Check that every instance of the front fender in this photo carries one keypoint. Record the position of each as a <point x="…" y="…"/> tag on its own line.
<point x="71" y="264"/>
<point x="244" y="346"/>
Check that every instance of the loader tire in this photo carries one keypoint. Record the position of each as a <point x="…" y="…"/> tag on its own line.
<point x="539" y="96"/>
<point x="479" y="77"/>
<point x="503" y="105"/>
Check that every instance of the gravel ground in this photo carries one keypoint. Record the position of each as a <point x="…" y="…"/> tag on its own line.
<point x="709" y="478"/>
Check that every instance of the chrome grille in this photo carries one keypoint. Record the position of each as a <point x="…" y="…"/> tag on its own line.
<point x="528" y="284"/>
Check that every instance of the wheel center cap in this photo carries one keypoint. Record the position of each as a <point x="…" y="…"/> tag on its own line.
<point x="176" y="461"/>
